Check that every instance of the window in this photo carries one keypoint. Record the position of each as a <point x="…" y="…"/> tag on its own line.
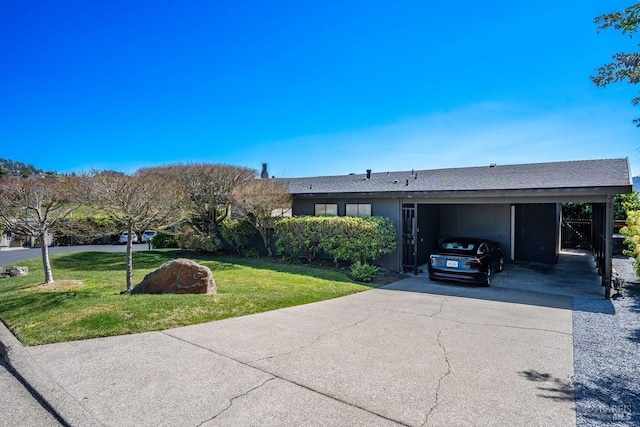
<point x="358" y="209"/>
<point x="326" y="209"/>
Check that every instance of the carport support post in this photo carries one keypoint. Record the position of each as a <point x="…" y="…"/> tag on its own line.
<point x="608" y="247"/>
<point x="415" y="239"/>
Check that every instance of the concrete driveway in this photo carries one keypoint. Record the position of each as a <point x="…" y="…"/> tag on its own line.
<point x="412" y="353"/>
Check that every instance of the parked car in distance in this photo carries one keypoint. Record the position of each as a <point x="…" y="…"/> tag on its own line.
<point x="466" y="259"/>
<point x="124" y="236"/>
<point x="147" y="236"/>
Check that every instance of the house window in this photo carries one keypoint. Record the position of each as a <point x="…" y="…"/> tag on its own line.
<point x="358" y="209"/>
<point x="326" y="209"/>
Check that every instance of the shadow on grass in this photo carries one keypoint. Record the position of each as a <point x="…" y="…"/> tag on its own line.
<point x="109" y="261"/>
<point x="116" y="261"/>
<point x="37" y="302"/>
<point x="277" y="265"/>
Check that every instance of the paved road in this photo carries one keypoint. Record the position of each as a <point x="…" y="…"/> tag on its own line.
<point x="13" y="255"/>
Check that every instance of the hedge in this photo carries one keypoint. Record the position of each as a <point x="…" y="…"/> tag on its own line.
<point x="347" y="238"/>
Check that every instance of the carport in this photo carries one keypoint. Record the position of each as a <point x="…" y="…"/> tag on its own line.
<point x="518" y="206"/>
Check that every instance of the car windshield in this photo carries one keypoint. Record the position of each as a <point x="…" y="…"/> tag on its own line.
<point x="459" y="245"/>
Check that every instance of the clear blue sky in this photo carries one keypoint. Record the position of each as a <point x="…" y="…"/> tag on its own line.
<point x="311" y="87"/>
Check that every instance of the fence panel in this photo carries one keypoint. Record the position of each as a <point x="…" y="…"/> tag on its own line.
<point x="577" y="234"/>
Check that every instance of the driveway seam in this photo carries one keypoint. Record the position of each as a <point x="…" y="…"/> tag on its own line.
<point x="288" y="380"/>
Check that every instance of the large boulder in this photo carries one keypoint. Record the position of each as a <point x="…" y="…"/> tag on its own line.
<point x="13" y="271"/>
<point x="180" y="276"/>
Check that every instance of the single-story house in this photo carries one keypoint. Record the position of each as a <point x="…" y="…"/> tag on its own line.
<point x="517" y="206"/>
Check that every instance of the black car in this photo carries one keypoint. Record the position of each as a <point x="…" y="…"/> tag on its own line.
<point x="466" y="259"/>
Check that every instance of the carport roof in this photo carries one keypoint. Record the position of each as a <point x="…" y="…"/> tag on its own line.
<point x="580" y="174"/>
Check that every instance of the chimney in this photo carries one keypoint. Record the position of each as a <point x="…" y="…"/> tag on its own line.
<point x="368" y="173"/>
<point x="264" y="174"/>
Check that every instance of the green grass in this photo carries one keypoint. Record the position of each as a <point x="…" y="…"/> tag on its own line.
<point x="85" y="301"/>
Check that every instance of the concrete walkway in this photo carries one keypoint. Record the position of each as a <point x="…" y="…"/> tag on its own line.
<point x="412" y="353"/>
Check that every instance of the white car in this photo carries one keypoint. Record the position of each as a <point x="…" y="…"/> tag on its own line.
<point x="148" y="235"/>
<point x="124" y="235"/>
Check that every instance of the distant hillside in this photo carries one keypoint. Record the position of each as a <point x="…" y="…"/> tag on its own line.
<point x="636" y="183"/>
<point x="10" y="167"/>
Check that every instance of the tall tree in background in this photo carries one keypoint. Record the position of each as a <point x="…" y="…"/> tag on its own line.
<point x="145" y="199"/>
<point x="209" y="188"/>
<point x="35" y="207"/>
<point x="625" y="66"/>
<point x="261" y="201"/>
<point x="11" y="167"/>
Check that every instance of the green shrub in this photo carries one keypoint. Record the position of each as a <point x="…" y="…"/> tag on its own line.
<point x="237" y="232"/>
<point x="344" y="238"/>
<point x="359" y="238"/>
<point x="251" y="253"/>
<point x="363" y="272"/>
<point x="632" y="237"/>
<point x="197" y="241"/>
<point x="164" y="240"/>
<point x="300" y="236"/>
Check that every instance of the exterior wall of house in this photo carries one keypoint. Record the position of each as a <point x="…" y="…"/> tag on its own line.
<point x="491" y="221"/>
<point x="5" y="239"/>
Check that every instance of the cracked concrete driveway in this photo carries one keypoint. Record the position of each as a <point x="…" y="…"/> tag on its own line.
<point x="412" y="353"/>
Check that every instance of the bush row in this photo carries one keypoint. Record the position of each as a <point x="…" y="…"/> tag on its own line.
<point x="356" y="240"/>
<point x="344" y="238"/>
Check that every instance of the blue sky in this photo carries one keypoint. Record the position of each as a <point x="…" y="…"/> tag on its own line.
<point x="311" y="87"/>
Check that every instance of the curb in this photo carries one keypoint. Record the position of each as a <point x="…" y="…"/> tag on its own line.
<point x="53" y="397"/>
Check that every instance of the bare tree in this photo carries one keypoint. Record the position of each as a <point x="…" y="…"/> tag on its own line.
<point x="261" y="201"/>
<point x="209" y="188"/>
<point x="35" y="207"/>
<point x="139" y="201"/>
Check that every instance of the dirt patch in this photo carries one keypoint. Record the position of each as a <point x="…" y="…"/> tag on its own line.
<point x="61" y="285"/>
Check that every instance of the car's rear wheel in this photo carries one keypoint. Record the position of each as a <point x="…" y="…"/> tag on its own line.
<point x="487" y="281"/>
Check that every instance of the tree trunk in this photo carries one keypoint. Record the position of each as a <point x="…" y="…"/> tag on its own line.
<point x="265" y="239"/>
<point x="129" y="258"/>
<point x="48" y="275"/>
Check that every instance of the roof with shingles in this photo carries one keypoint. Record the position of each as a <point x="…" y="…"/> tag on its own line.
<point x="571" y="174"/>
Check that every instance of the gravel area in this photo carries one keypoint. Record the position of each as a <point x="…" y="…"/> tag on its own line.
<point x="606" y="351"/>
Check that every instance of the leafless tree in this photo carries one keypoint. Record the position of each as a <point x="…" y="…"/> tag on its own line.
<point x="35" y="207"/>
<point x="261" y="201"/>
<point x="209" y="188"/>
<point x="139" y="201"/>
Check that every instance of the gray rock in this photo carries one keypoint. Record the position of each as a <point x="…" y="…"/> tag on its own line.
<point x="13" y="271"/>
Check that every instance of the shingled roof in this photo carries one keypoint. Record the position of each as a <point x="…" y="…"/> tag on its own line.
<point x="614" y="173"/>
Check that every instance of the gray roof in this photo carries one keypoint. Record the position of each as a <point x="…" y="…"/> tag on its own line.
<point x="573" y="174"/>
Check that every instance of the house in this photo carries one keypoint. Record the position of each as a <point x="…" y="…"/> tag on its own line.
<point x="518" y="206"/>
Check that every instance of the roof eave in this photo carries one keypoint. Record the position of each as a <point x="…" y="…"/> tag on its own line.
<point x="558" y="191"/>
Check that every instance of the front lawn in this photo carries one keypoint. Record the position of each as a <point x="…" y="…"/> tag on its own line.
<point x="85" y="301"/>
